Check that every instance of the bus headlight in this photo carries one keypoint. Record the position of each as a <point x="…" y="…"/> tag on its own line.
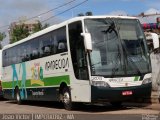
<point x="100" y="83"/>
<point x="146" y="81"/>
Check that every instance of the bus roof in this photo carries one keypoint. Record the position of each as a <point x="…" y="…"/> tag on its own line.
<point x="49" y="29"/>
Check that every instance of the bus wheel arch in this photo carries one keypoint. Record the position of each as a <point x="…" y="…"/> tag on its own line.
<point x="62" y="86"/>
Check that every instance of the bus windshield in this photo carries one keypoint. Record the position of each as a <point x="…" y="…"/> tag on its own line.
<point x="119" y="47"/>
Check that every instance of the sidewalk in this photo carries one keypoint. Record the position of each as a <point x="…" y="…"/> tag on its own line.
<point x="152" y="106"/>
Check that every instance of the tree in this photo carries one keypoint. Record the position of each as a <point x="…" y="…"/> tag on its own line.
<point x="2" y="36"/>
<point x="19" y="32"/>
<point x="39" y="26"/>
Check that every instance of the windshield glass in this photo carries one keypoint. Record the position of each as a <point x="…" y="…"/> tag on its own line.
<point x="119" y="47"/>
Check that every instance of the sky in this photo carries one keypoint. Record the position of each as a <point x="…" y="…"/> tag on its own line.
<point x="13" y="10"/>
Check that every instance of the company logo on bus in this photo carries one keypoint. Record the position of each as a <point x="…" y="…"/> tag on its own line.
<point x="57" y="64"/>
<point x="116" y="80"/>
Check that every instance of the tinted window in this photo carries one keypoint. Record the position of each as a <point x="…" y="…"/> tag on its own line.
<point x="34" y="49"/>
<point x="59" y="40"/>
<point x="45" y="45"/>
<point x="77" y="49"/>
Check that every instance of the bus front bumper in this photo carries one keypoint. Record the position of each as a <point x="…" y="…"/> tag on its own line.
<point x="120" y="94"/>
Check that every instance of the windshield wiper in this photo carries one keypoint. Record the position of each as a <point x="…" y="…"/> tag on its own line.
<point x="110" y="29"/>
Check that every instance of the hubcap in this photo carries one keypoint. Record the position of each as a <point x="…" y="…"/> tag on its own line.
<point x="66" y="98"/>
<point x="18" y="97"/>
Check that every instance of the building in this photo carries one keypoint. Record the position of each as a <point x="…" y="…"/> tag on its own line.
<point x="152" y="27"/>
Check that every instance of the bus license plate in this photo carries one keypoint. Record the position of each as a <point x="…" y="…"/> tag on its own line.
<point x="127" y="93"/>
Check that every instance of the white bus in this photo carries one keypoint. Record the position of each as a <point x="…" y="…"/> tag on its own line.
<point x="86" y="59"/>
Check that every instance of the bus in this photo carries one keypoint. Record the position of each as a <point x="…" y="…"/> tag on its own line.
<point x="153" y="43"/>
<point x="87" y="59"/>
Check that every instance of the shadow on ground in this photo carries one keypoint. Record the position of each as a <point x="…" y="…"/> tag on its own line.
<point x="83" y="107"/>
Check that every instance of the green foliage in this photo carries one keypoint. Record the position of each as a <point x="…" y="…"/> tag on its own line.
<point x="19" y="32"/>
<point x="39" y="27"/>
<point x="2" y="36"/>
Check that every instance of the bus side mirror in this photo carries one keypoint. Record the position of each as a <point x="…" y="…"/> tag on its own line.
<point x="155" y="39"/>
<point x="87" y="41"/>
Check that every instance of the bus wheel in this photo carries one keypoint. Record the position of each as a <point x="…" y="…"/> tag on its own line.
<point x="67" y="99"/>
<point x="18" y="97"/>
<point x="116" y="104"/>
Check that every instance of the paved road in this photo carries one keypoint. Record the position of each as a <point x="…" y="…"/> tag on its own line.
<point x="46" y="110"/>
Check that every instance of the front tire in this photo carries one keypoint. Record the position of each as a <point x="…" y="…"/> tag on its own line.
<point x="67" y="102"/>
<point x="18" y="97"/>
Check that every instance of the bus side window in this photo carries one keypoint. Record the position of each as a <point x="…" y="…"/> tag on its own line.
<point x="34" y="49"/>
<point x="28" y="51"/>
<point x="54" y="44"/>
<point x="61" y="39"/>
<point x="4" y="58"/>
<point x="45" y="45"/>
<point x="18" y="54"/>
<point x="47" y="50"/>
<point x="58" y="41"/>
<point x="61" y="46"/>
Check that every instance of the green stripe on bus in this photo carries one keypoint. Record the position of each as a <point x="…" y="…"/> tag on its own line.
<point x="136" y="78"/>
<point x="50" y="81"/>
